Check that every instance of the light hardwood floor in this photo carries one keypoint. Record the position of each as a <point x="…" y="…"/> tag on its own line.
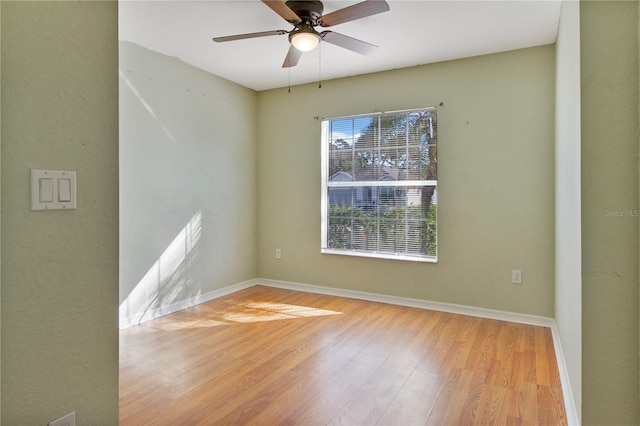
<point x="271" y="356"/>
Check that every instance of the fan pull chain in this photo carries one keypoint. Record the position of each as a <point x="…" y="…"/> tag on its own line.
<point x="289" y="69"/>
<point x="320" y="65"/>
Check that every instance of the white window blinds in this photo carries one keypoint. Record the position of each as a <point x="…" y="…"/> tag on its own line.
<point x="379" y="185"/>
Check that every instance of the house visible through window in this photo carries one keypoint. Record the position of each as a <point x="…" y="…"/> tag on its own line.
<point x="379" y="185"/>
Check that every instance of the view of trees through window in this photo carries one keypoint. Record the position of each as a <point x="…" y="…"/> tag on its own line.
<point x="380" y="190"/>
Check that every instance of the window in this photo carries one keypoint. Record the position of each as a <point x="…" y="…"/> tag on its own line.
<point x="379" y="185"/>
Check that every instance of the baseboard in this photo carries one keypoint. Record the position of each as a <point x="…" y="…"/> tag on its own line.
<point x="569" y="402"/>
<point x="570" y="408"/>
<point x="183" y="304"/>
<point x="413" y="303"/>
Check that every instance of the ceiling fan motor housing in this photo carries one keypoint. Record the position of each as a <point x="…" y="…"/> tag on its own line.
<point x="310" y="10"/>
<point x="305" y="15"/>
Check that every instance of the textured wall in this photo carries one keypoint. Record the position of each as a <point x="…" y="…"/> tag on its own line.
<point x="568" y="275"/>
<point x="609" y="83"/>
<point x="60" y="268"/>
<point x="188" y="202"/>
<point x="0" y="221"/>
<point x="495" y="199"/>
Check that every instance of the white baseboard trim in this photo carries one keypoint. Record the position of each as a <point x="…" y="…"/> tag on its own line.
<point x="570" y="408"/>
<point x="413" y="303"/>
<point x="183" y="304"/>
<point x="569" y="402"/>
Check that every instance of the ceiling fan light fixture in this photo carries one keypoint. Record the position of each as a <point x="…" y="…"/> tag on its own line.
<point x="305" y="39"/>
<point x="305" y="15"/>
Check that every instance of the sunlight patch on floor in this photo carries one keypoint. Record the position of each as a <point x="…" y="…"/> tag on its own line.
<point x="173" y="325"/>
<point x="269" y="311"/>
<point x="249" y="312"/>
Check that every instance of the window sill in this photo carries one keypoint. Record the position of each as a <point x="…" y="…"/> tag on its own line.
<point x="381" y="255"/>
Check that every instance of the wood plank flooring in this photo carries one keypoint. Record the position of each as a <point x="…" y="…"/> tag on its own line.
<point x="271" y="356"/>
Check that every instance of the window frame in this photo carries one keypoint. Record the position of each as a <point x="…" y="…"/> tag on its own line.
<point x="405" y="184"/>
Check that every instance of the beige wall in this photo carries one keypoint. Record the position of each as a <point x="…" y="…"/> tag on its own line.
<point x="496" y="174"/>
<point x="568" y="274"/>
<point x="187" y="182"/>
<point x="0" y="219"/>
<point x="609" y="76"/>
<point x="60" y="268"/>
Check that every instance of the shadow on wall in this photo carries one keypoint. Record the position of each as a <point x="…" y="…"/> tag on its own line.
<point x="180" y="159"/>
<point x="170" y="274"/>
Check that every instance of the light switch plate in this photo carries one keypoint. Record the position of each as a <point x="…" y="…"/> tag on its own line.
<point x="53" y="190"/>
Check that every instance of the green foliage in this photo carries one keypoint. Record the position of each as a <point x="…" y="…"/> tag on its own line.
<point x="396" y="146"/>
<point x="403" y="230"/>
<point x="405" y="142"/>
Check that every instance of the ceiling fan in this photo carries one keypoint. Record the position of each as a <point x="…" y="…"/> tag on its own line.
<point x="305" y="15"/>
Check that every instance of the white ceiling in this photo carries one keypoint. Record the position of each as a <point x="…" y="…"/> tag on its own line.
<point x="411" y="33"/>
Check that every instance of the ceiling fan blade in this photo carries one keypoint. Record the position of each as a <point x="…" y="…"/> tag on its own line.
<point x="293" y="56"/>
<point x="347" y="42"/>
<point x="283" y="10"/>
<point x="356" y="11"/>
<point x="249" y="35"/>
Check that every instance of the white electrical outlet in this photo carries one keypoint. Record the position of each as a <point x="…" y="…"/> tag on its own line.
<point x="68" y="420"/>
<point x="278" y="254"/>
<point x="516" y="277"/>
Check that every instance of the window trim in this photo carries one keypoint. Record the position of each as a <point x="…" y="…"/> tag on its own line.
<point x="379" y="255"/>
<point x="325" y="199"/>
